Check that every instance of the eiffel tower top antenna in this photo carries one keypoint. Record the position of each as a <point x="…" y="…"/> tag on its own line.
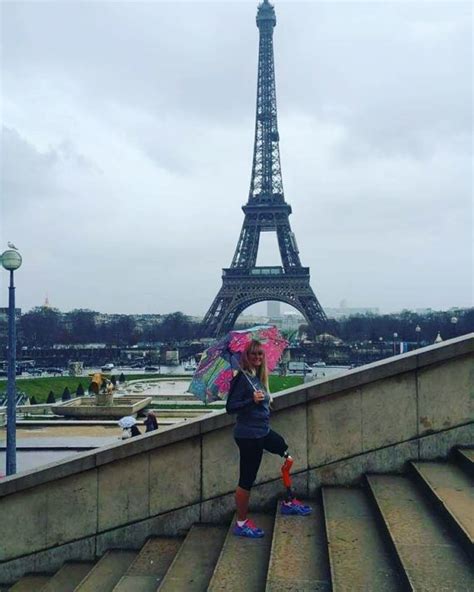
<point x="266" y="184"/>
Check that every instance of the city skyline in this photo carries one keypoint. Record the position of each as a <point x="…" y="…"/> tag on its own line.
<point x="344" y="308"/>
<point x="127" y="158"/>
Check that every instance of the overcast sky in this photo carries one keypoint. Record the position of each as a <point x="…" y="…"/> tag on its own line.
<point x="127" y="144"/>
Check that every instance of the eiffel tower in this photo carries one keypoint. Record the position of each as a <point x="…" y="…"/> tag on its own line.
<point x="243" y="283"/>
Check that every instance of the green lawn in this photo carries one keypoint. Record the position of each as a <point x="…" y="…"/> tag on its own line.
<point x="40" y="387"/>
<point x="280" y="383"/>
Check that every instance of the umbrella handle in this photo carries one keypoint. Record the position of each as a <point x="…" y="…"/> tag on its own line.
<point x="249" y="381"/>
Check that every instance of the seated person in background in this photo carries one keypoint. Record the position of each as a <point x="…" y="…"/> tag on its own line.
<point x="151" y="422"/>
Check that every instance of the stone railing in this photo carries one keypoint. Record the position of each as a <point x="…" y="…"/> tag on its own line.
<point x="372" y="419"/>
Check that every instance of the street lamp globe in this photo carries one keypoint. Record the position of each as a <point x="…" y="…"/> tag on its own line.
<point x="11" y="260"/>
<point x="395" y="335"/>
<point x="454" y="322"/>
<point x="418" y="333"/>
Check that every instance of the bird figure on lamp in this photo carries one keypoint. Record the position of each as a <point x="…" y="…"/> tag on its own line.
<point x="11" y="246"/>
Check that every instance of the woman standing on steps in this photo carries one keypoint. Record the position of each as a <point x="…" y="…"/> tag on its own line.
<point x="249" y="398"/>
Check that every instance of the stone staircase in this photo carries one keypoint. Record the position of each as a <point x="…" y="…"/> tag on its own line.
<point x="398" y="532"/>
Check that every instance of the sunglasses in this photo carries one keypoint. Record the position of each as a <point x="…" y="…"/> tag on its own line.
<point x="259" y="353"/>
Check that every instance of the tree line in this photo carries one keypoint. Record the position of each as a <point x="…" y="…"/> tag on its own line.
<point x="48" y="326"/>
<point x="371" y="327"/>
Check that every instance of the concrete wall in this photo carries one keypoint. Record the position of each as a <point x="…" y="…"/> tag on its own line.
<point x="372" y="419"/>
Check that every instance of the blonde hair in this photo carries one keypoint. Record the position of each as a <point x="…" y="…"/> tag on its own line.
<point x="261" y="371"/>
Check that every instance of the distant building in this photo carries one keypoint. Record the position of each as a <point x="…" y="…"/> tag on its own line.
<point x="142" y="321"/>
<point x="252" y="320"/>
<point x="291" y="320"/>
<point x="273" y="309"/>
<point x="172" y="357"/>
<point x="349" y="311"/>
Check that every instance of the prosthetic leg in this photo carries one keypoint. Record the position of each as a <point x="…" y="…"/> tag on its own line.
<point x="285" y="473"/>
<point x="291" y="506"/>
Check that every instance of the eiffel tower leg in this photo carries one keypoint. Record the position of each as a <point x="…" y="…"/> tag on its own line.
<point x="223" y="313"/>
<point x="312" y="310"/>
<point x="213" y="320"/>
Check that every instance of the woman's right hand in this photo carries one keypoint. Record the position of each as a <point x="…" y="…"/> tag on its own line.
<point x="258" y="396"/>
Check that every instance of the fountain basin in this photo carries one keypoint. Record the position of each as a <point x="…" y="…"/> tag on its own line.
<point x="85" y="407"/>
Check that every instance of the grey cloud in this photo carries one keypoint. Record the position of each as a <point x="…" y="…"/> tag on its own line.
<point x="26" y="172"/>
<point x="66" y="151"/>
<point x="395" y="75"/>
<point x="29" y="174"/>
<point x="162" y="56"/>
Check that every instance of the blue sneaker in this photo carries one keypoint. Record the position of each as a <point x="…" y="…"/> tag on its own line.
<point x="295" y="508"/>
<point x="249" y="530"/>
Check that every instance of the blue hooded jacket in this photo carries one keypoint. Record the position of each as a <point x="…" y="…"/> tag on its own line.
<point x="253" y="419"/>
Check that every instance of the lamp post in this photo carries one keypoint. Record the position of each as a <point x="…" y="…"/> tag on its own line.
<point x="381" y="347"/>
<point x="454" y="322"/>
<point x="304" y="367"/>
<point x="417" y="331"/>
<point x="11" y="260"/>
<point x="395" y="335"/>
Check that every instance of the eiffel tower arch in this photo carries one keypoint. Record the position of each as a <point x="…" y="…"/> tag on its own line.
<point x="243" y="283"/>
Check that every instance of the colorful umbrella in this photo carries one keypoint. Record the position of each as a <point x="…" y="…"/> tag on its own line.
<point x="221" y="361"/>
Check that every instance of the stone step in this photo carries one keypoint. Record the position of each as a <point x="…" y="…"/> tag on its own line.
<point x="29" y="583"/>
<point x="194" y="563"/>
<point x="465" y="458"/>
<point x="358" y="557"/>
<point x="68" y="577"/>
<point x="147" y="571"/>
<point x="453" y="493"/>
<point x="430" y="558"/>
<point x="107" y="571"/>
<point x="298" y="556"/>
<point x="243" y="562"/>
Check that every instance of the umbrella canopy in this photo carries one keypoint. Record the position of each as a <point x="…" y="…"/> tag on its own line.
<point x="221" y="361"/>
<point x="127" y="422"/>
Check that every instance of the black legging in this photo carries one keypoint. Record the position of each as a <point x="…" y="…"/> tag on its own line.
<point x="251" y="451"/>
